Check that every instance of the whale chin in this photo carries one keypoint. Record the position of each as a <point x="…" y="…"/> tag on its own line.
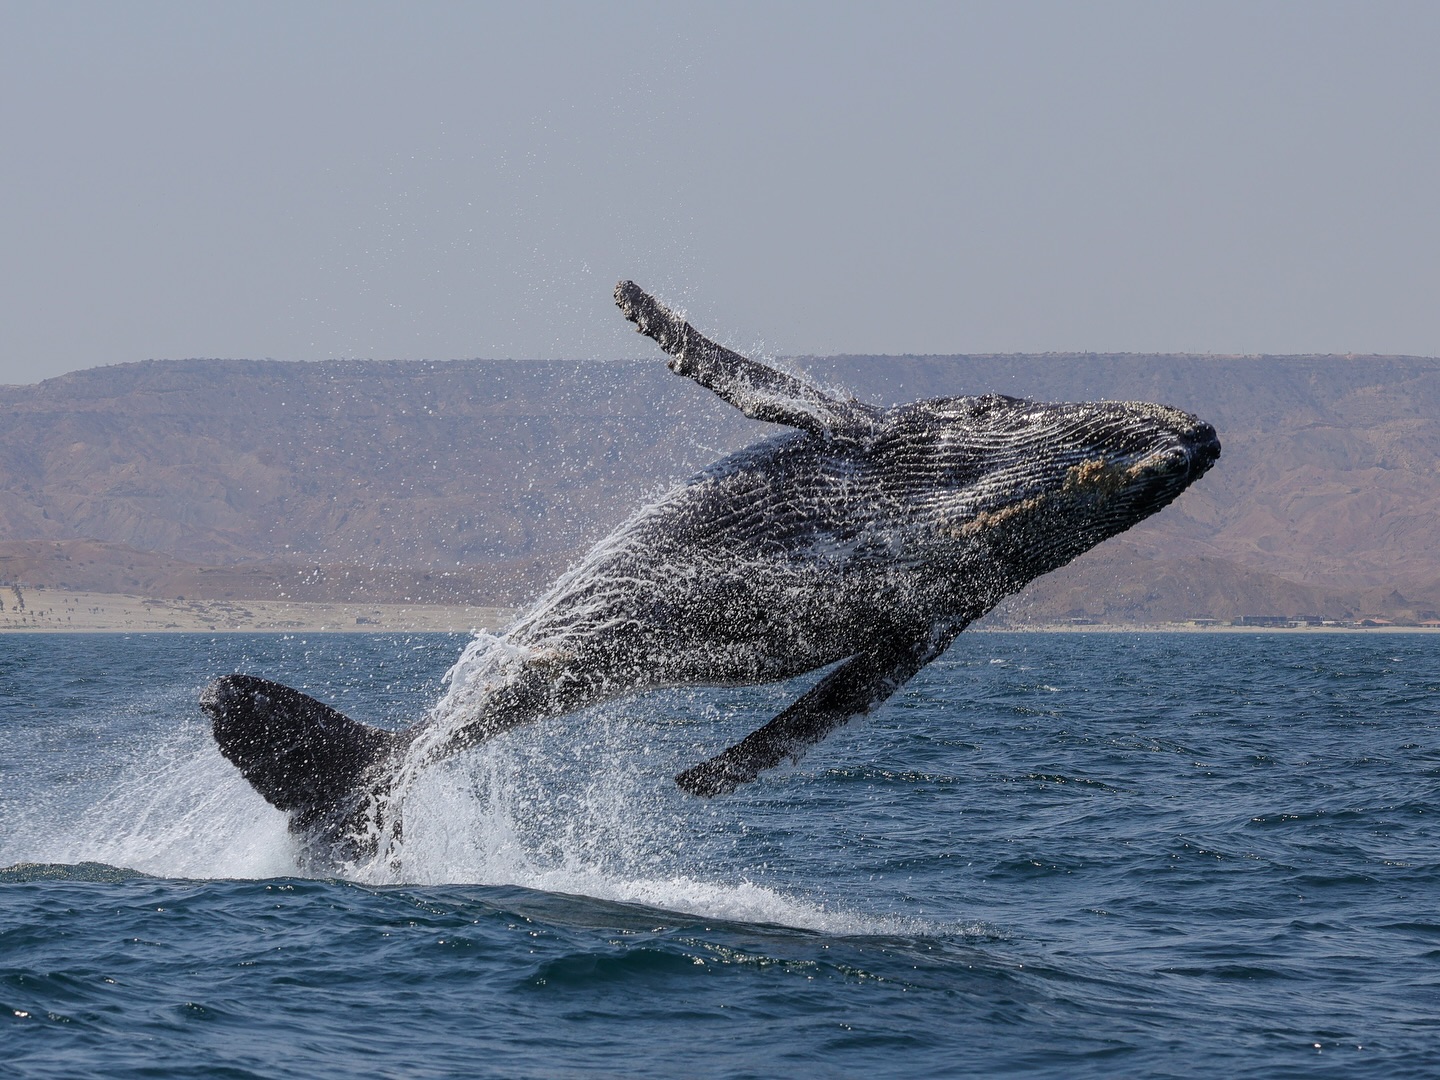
<point x="1204" y="450"/>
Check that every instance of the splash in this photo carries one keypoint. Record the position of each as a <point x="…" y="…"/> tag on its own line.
<point x="169" y="806"/>
<point x="583" y="806"/>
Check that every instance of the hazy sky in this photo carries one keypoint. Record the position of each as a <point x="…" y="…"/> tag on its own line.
<point x="310" y="180"/>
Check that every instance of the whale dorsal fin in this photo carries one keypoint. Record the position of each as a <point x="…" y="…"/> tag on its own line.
<point x="760" y="392"/>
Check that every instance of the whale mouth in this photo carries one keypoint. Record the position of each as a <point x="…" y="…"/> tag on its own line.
<point x="1203" y="447"/>
<point x="1184" y="461"/>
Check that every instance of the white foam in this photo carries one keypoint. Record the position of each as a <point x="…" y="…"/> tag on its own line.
<point x="575" y="808"/>
<point x="173" y="808"/>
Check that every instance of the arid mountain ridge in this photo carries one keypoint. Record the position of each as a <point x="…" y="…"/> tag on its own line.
<point x="477" y="481"/>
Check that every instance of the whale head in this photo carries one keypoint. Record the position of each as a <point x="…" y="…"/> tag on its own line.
<point x="1026" y="486"/>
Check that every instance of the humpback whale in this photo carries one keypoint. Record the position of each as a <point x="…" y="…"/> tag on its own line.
<point x="862" y="540"/>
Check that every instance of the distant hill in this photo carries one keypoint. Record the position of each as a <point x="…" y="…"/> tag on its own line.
<point x="478" y="480"/>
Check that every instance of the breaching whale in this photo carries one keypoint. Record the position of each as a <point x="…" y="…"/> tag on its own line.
<point x="865" y="538"/>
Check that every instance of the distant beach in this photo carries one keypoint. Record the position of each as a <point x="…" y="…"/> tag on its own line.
<point x="64" y="611"/>
<point x="57" y="610"/>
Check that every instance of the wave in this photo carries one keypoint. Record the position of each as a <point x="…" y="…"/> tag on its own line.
<point x="532" y="811"/>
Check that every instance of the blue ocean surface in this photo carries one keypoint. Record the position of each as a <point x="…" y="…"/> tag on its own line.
<point x="1078" y="855"/>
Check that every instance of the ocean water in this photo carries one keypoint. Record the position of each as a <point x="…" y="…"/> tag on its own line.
<point x="1083" y="855"/>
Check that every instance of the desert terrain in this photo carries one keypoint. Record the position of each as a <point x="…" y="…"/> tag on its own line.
<point x="207" y="494"/>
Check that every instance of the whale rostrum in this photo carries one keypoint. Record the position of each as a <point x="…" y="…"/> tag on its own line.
<point x="863" y="540"/>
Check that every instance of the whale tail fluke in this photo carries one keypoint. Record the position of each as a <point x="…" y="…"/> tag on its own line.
<point x="304" y="757"/>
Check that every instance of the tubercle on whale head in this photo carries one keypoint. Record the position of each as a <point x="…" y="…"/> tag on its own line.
<point x="1062" y="477"/>
<point x="1149" y="454"/>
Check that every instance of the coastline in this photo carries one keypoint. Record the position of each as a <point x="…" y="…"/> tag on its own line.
<point x="1190" y="628"/>
<point x="63" y="611"/>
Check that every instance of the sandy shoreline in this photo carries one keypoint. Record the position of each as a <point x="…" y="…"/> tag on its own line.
<point x="61" y="611"/>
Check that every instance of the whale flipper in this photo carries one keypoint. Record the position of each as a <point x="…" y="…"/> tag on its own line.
<point x="854" y="688"/>
<point x="304" y="757"/>
<point x="760" y="392"/>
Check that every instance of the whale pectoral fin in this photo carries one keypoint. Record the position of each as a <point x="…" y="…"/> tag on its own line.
<point x="760" y="392"/>
<point x="853" y="689"/>
<point x="304" y="757"/>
